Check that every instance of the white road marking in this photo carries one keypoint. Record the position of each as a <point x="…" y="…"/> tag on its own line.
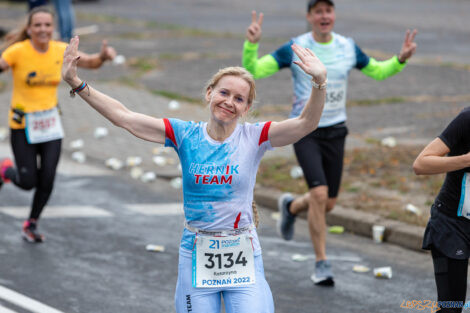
<point x="5" y="310"/>
<point x="158" y="209"/>
<point x="78" y="211"/>
<point x="24" y="302"/>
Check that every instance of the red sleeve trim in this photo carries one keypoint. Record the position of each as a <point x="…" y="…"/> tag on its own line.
<point x="264" y="133"/>
<point x="169" y="133"/>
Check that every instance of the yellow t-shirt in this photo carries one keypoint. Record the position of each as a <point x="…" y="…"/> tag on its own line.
<point x="36" y="76"/>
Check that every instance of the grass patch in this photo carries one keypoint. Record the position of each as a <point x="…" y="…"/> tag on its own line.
<point x="143" y="64"/>
<point x="371" y="102"/>
<point x="175" y="29"/>
<point x="176" y="96"/>
<point x="375" y="179"/>
<point x="129" y="81"/>
<point x="275" y="173"/>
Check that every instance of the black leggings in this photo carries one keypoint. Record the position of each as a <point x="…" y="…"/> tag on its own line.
<point x="451" y="281"/>
<point x="32" y="172"/>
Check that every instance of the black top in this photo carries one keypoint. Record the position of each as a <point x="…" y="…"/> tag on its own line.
<point x="457" y="138"/>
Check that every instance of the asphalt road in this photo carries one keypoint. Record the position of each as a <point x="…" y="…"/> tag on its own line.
<point x="94" y="260"/>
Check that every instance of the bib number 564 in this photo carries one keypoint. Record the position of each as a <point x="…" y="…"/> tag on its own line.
<point x="224" y="260"/>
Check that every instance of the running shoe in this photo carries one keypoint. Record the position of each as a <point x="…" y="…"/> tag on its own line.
<point x="323" y="275"/>
<point x="30" y="232"/>
<point x="5" y="164"/>
<point x="285" y="224"/>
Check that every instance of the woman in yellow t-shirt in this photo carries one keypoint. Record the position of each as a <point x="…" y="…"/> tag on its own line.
<point x="36" y="131"/>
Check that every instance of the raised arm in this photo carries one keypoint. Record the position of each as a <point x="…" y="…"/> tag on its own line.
<point x="291" y="130"/>
<point x="95" y="60"/>
<point x="433" y="159"/>
<point x="140" y="125"/>
<point x="381" y="70"/>
<point x="264" y="66"/>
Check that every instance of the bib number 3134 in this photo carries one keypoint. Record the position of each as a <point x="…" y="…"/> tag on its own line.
<point x="223" y="262"/>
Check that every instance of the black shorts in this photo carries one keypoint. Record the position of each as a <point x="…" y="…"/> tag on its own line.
<point x="320" y="155"/>
<point x="450" y="235"/>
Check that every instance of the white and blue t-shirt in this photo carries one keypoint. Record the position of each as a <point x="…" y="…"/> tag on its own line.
<point x="218" y="177"/>
<point x="339" y="56"/>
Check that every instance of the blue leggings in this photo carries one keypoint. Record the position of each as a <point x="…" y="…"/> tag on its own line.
<point x="256" y="298"/>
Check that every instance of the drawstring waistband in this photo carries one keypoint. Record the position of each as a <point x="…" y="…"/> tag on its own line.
<point x="230" y="232"/>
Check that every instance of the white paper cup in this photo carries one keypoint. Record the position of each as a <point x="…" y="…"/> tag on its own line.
<point x="378" y="233"/>
<point x="383" y="272"/>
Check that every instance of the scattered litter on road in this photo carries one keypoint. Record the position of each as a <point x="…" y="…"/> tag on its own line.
<point x="159" y="160"/>
<point x="336" y="229"/>
<point x="148" y="177"/>
<point x="155" y="248"/>
<point x="76" y="144"/>
<point x="296" y="172"/>
<point x="275" y="216"/>
<point x="133" y="161"/>
<point x="136" y="172"/>
<point x="3" y="133"/>
<point x="176" y="182"/>
<point x="100" y="132"/>
<point x="360" y="268"/>
<point x="378" y="233"/>
<point x="119" y="59"/>
<point x="390" y="142"/>
<point x="412" y="209"/>
<point x="114" y="164"/>
<point x="300" y="257"/>
<point x="79" y="157"/>
<point x="173" y="105"/>
<point x="383" y="272"/>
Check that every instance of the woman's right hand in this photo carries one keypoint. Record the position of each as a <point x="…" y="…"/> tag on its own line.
<point x="253" y="33"/>
<point x="69" y="66"/>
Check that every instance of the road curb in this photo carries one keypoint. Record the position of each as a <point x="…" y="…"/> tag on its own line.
<point x="355" y="221"/>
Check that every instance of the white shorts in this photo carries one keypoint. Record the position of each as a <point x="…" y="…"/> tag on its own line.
<point x="256" y="298"/>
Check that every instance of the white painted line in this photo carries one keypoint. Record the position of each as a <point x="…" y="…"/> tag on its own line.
<point x="24" y="302"/>
<point x="158" y="209"/>
<point x="5" y="310"/>
<point x="58" y="212"/>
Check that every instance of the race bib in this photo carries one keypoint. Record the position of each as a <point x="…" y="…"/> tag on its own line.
<point x="335" y="95"/>
<point x="223" y="262"/>
<point x="464" y="204"/>
<point x="43" y="126"/>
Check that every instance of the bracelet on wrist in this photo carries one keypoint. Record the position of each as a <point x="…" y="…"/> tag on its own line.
<point x="82" y="86"/>
<point x="319" y="86"/>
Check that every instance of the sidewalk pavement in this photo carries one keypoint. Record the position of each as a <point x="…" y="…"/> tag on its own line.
<point x="80" y="122"/>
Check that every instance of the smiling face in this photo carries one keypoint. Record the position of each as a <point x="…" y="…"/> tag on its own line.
<point x="41" y="28"/>
<point x="228" y="99"/>
<point x="322" y="18"/>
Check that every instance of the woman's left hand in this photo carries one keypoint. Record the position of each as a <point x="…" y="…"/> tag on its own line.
<point x="310" y="64"/>
<point x="69" y="66"/>
<point x="106" y="52"/>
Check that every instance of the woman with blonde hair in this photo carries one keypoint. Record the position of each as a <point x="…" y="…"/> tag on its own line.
<point x="220" y="254"/>
<point x="35" y="129"/>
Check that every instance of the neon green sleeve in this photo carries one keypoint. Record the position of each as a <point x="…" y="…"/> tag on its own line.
<point x="381" y="70"/>
<point x="259" y="68"/>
